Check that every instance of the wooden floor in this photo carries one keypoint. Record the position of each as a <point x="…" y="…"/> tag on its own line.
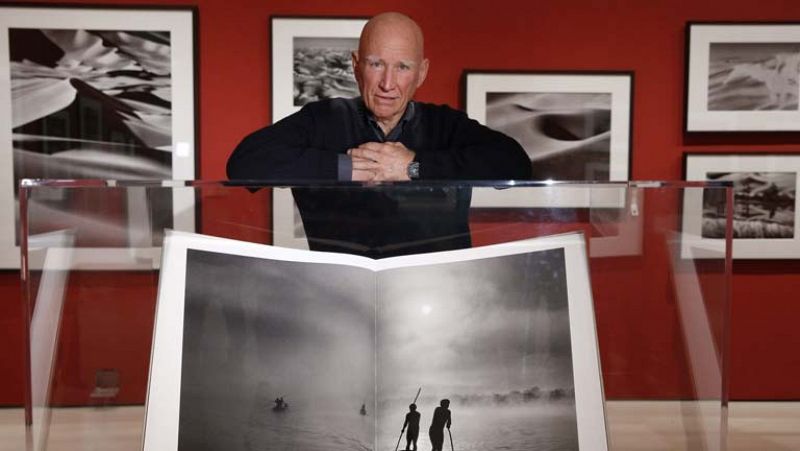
<point x="633" y="425"/>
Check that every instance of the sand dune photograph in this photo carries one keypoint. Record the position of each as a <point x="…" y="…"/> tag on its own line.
<point x="566" y="135"/>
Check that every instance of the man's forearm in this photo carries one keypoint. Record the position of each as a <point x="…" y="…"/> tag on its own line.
<point x="282" y="164"/>
<point x="280" y="152"/>
<point x="475" y="152"/>
<point x="475" y="162"/>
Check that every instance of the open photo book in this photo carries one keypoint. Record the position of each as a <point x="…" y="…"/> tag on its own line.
<point x="266" y="348"/>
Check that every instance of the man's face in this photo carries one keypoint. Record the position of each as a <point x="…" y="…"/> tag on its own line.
<point x="389" y="68"/>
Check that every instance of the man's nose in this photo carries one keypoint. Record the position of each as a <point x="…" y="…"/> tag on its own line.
<point x="387" y="80"/>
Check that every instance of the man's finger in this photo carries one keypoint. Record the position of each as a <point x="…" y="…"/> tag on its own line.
<point x="365" y="153"/>
<point x="397" y="144"/>
<point x="360" y="159"/>
<point x="372" y="145"/>
<point x="360" y="149"/>
<point x="362" y="176"/>
<point x="361" y="163"/>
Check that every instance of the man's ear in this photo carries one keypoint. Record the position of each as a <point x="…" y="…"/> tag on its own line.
<point x="423" y="71"/>
<point x="354" y="58"/>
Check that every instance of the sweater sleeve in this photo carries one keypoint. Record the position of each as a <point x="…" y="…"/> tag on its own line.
<point x="471" y="151"/>
<point x="283" y="151"/>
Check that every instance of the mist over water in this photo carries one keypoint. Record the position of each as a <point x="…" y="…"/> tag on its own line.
<point x="545" y="426"/>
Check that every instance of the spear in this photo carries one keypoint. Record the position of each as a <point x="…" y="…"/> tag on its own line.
<point x="404" y="429"/>
<point x="452" y="448"/>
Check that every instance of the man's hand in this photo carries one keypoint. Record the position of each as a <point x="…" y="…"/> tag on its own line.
<point x="380" y="162"/>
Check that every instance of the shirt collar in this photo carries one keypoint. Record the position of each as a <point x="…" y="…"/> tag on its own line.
<point x="394" y="134"/>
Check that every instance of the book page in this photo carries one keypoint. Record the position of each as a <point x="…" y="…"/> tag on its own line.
<point x="273" y="354"/>
<point x="490" y="335"/>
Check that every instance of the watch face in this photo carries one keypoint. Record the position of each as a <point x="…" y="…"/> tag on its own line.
<point x="413" y="170"/>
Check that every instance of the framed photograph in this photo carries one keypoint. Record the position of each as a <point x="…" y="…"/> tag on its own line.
<point x="575" y="126"/>
<point x="96" y="93"/>
<point x="742" y="77"/>
<point x="765" y="223"/>
<point x="311" y="60"/>
<point x="320" y="340"/>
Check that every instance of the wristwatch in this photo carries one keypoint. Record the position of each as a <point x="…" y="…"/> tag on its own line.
<point x="413" y="170"/>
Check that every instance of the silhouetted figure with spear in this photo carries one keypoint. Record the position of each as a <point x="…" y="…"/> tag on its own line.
<point x="441" y="418"/>
<point x="414" y="404"/>
<point x="412" y="421"/>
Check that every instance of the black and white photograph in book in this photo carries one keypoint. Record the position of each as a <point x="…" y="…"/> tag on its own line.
<point x="764" y="202"/>
<point x="742" y="77"/>
<point x="98" y="93"/>
<point x="566" y="135"/>
<point x="764" y="205"/>
<point x="753" y="76"/>
<point x="492" y="338"/>
<point x="270" y="348"/>
<point x="323" y="69"/>
<point x="275" y="356"/>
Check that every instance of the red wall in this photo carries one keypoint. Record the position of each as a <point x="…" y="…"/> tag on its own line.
<point x="643" y="36"/>
<point x="11" y="375"/>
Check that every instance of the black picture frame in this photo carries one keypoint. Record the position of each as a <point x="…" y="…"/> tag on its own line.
<point x="111" y="123"/>
<point x="575" y="125"/>
<point x="765" y="223"/>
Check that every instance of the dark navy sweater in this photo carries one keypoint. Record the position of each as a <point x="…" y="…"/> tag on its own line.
<point x="306" y="145"/>
<point x="385" y="220"/>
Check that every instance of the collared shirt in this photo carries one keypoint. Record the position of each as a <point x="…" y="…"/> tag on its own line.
<point x="394" y="134"/>
<point x="345" y="169"/>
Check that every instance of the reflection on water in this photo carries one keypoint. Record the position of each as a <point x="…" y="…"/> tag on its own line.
<point x="219" y="426"/>
<point x="306" y="429"/>
<point x="542" y="427"/>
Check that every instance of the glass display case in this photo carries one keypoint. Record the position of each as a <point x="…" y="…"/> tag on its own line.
<point x="657" y="257"/>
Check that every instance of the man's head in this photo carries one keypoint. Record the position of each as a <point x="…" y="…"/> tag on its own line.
<point x="390" y="65"/>
<point x="445" y="403"/>
<point x="412" y="407"/>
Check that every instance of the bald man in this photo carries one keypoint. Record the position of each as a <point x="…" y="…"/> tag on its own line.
<point x="383" y="135"/>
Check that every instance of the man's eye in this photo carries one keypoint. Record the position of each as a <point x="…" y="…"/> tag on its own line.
<point x="375" y="64"/>
<point x="404" y="67"/>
